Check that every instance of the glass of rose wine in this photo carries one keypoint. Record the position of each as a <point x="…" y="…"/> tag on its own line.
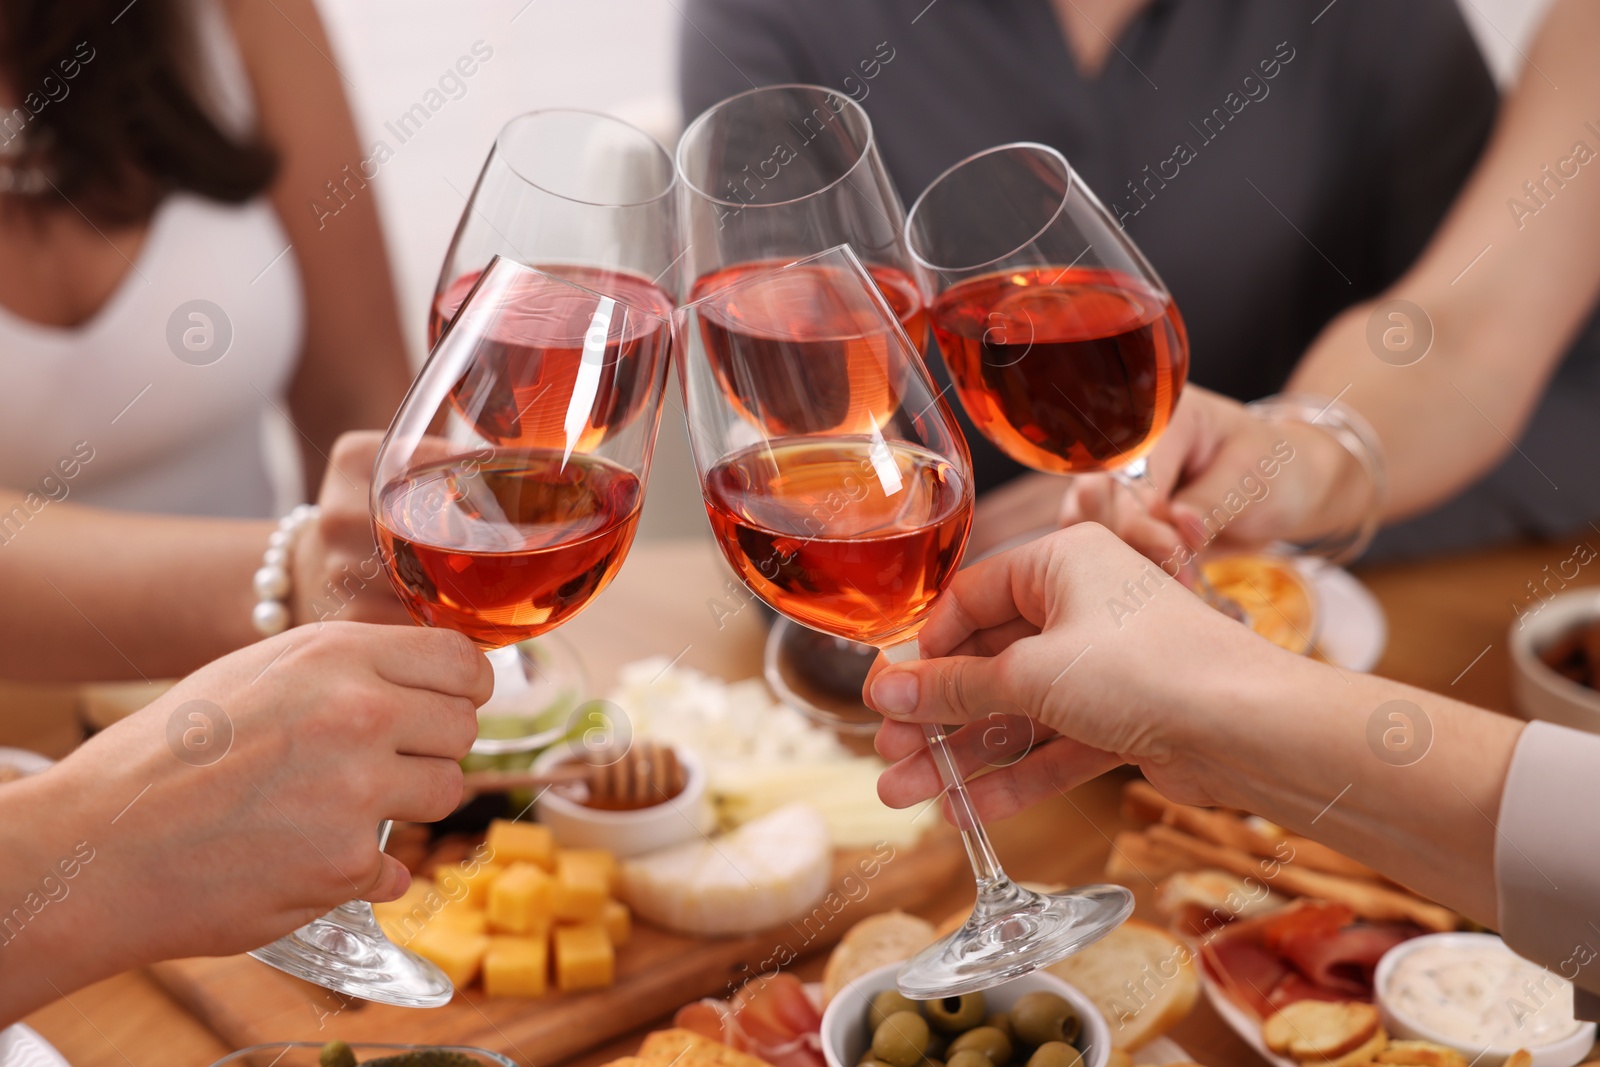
<point x="1063" y="343"/>
<point x="578" y="194"/>
<point x="845" y="504"/>
<point x="778" y="173"/>
<point x="587" y="197"/>
<point x="1064" y="346"/>
<point x="504" y="499"/>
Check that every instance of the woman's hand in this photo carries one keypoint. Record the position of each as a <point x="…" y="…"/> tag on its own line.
<point x="246" y="801"/>
<point x="338" y="570"/>
<point x="1222" y="475"/>
<point x="1111" y="659"/>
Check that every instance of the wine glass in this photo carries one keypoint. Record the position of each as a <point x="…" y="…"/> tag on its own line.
<point x="578" y="194"/>
<point x="844" y="500"/>
<point x="1064" y="346"/>
<point x="504" y="499"/>
<point x="774" y="174"/>
<point x="1063" y="343"/>
<point x="587" y="197"/>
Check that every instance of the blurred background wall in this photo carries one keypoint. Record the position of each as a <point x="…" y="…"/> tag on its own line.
<point x="606" y="55"/>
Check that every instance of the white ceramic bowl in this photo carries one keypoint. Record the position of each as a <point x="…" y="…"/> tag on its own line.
<point x="1539" y="692"/>
<point x="1563" y="1053"/>
<point x="685" y="817"/>
<point x="844" y="1023"/>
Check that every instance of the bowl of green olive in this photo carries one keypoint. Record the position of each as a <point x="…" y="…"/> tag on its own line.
<point x="1033" y="1021"/>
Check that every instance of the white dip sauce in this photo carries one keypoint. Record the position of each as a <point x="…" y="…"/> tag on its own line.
<point x="1482" y="995"/>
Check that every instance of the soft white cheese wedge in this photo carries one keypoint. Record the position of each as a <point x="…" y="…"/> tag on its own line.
<point x="766" y="872"/>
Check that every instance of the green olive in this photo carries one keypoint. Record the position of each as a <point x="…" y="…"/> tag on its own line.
<point x="1001" y="1022"/>
<point x="969" y="1057"/>
<point x="869" y="1060"/>
<point x="900" y="1039"/>
<point x="993" y="1043"/>
<point x="1039" y="1018"/>
<point x="1055" y="1054"/>
<point x="955" y="1015"/>
<point x="886" y="1004"/>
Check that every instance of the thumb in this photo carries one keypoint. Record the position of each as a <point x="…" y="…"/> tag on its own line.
<point x="392" y="881"/>
<point x="952" y="690"/>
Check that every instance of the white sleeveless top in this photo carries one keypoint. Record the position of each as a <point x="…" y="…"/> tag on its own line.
<point x="170" y="397"/>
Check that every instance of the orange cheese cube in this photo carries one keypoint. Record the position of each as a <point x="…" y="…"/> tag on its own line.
<point x="521" y="842"/>
<point x="583" y="883"/>
<point x="466" y="883"/>
<point x="423" y="905"/>
<point x="617" y="922"/>
<point x="517" y="967"/>
<point x="522" y="900"/>
<point x="457" y="954"/>
<point x="584" y="958"/>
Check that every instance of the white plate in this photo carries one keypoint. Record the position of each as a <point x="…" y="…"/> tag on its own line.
<point x="21" y="1046"/>
<point x="1241" y="1022"/>
<point x="1353" y="630"/>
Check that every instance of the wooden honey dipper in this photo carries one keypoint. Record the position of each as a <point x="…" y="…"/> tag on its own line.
<point x="647" y="773"/>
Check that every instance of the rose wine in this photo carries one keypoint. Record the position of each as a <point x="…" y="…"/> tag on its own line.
<point x="1067" y="371"/>
<point x="504" y="545"/>
<point x="537" y="350"/>
<point x="844" y="387"/>
<point x="853" y="536"/>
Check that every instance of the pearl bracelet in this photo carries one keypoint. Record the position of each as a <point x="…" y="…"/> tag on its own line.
<point x="272" y="582"/>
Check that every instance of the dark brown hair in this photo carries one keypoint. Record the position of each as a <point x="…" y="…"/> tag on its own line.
<point x="113" y="108"/>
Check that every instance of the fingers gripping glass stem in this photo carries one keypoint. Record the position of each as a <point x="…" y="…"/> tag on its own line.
<point x="985" y="865"/>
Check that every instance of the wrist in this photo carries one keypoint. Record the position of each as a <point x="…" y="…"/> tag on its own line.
<point x="55" y="933"/>
<point x="1341" y="473"/>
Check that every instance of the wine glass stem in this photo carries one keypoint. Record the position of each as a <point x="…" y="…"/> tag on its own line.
<point x="985" y="865"/>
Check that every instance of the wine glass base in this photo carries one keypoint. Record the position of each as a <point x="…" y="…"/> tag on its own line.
<point x="347" y="952"/>
<point x="1031" y="931"/>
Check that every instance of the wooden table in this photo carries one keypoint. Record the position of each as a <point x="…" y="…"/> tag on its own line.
<point x="1447" y="625"/>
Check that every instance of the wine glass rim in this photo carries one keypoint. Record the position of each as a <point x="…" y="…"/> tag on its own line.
<point x="1011" y="146"/>
<point x="672" y="169"/>
<point x="867" y="147"/>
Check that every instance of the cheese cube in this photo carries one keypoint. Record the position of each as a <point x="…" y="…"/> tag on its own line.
<point x="466" y="883"/>
<point x="583" y="883"/>
<point x="618" y="923"/>
<point x="455" y="953"/>
<point x="461" y="919"/>
<point x="521" y="842"/>
<point x="522" y="900"/>
<point x="584" y="959"/>
<point x="517" y="967"/>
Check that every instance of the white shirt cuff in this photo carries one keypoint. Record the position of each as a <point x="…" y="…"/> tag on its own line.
<point x="1546" y="863"/>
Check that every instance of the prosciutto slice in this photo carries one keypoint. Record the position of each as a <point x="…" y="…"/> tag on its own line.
<point x="1307" y="951"/>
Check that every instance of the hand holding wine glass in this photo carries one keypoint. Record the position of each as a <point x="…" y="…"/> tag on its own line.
<point x="504" y="499"/>
<point x="845" y="504"/>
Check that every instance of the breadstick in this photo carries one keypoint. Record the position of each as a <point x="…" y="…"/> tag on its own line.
<point x="1366" y="899"/>
<point x="1135" y="858"/>
<point x="1141" y="801"/>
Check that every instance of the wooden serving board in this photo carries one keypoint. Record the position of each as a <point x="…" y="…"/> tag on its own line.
<point x="248" y="1003"/>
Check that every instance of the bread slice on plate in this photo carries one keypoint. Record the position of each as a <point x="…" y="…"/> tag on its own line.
<point x="1321" y="1030"/>
<point x="1143" y="979"/>
<point x="873" y="942"/>
<point x="1421" y="1054"/>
